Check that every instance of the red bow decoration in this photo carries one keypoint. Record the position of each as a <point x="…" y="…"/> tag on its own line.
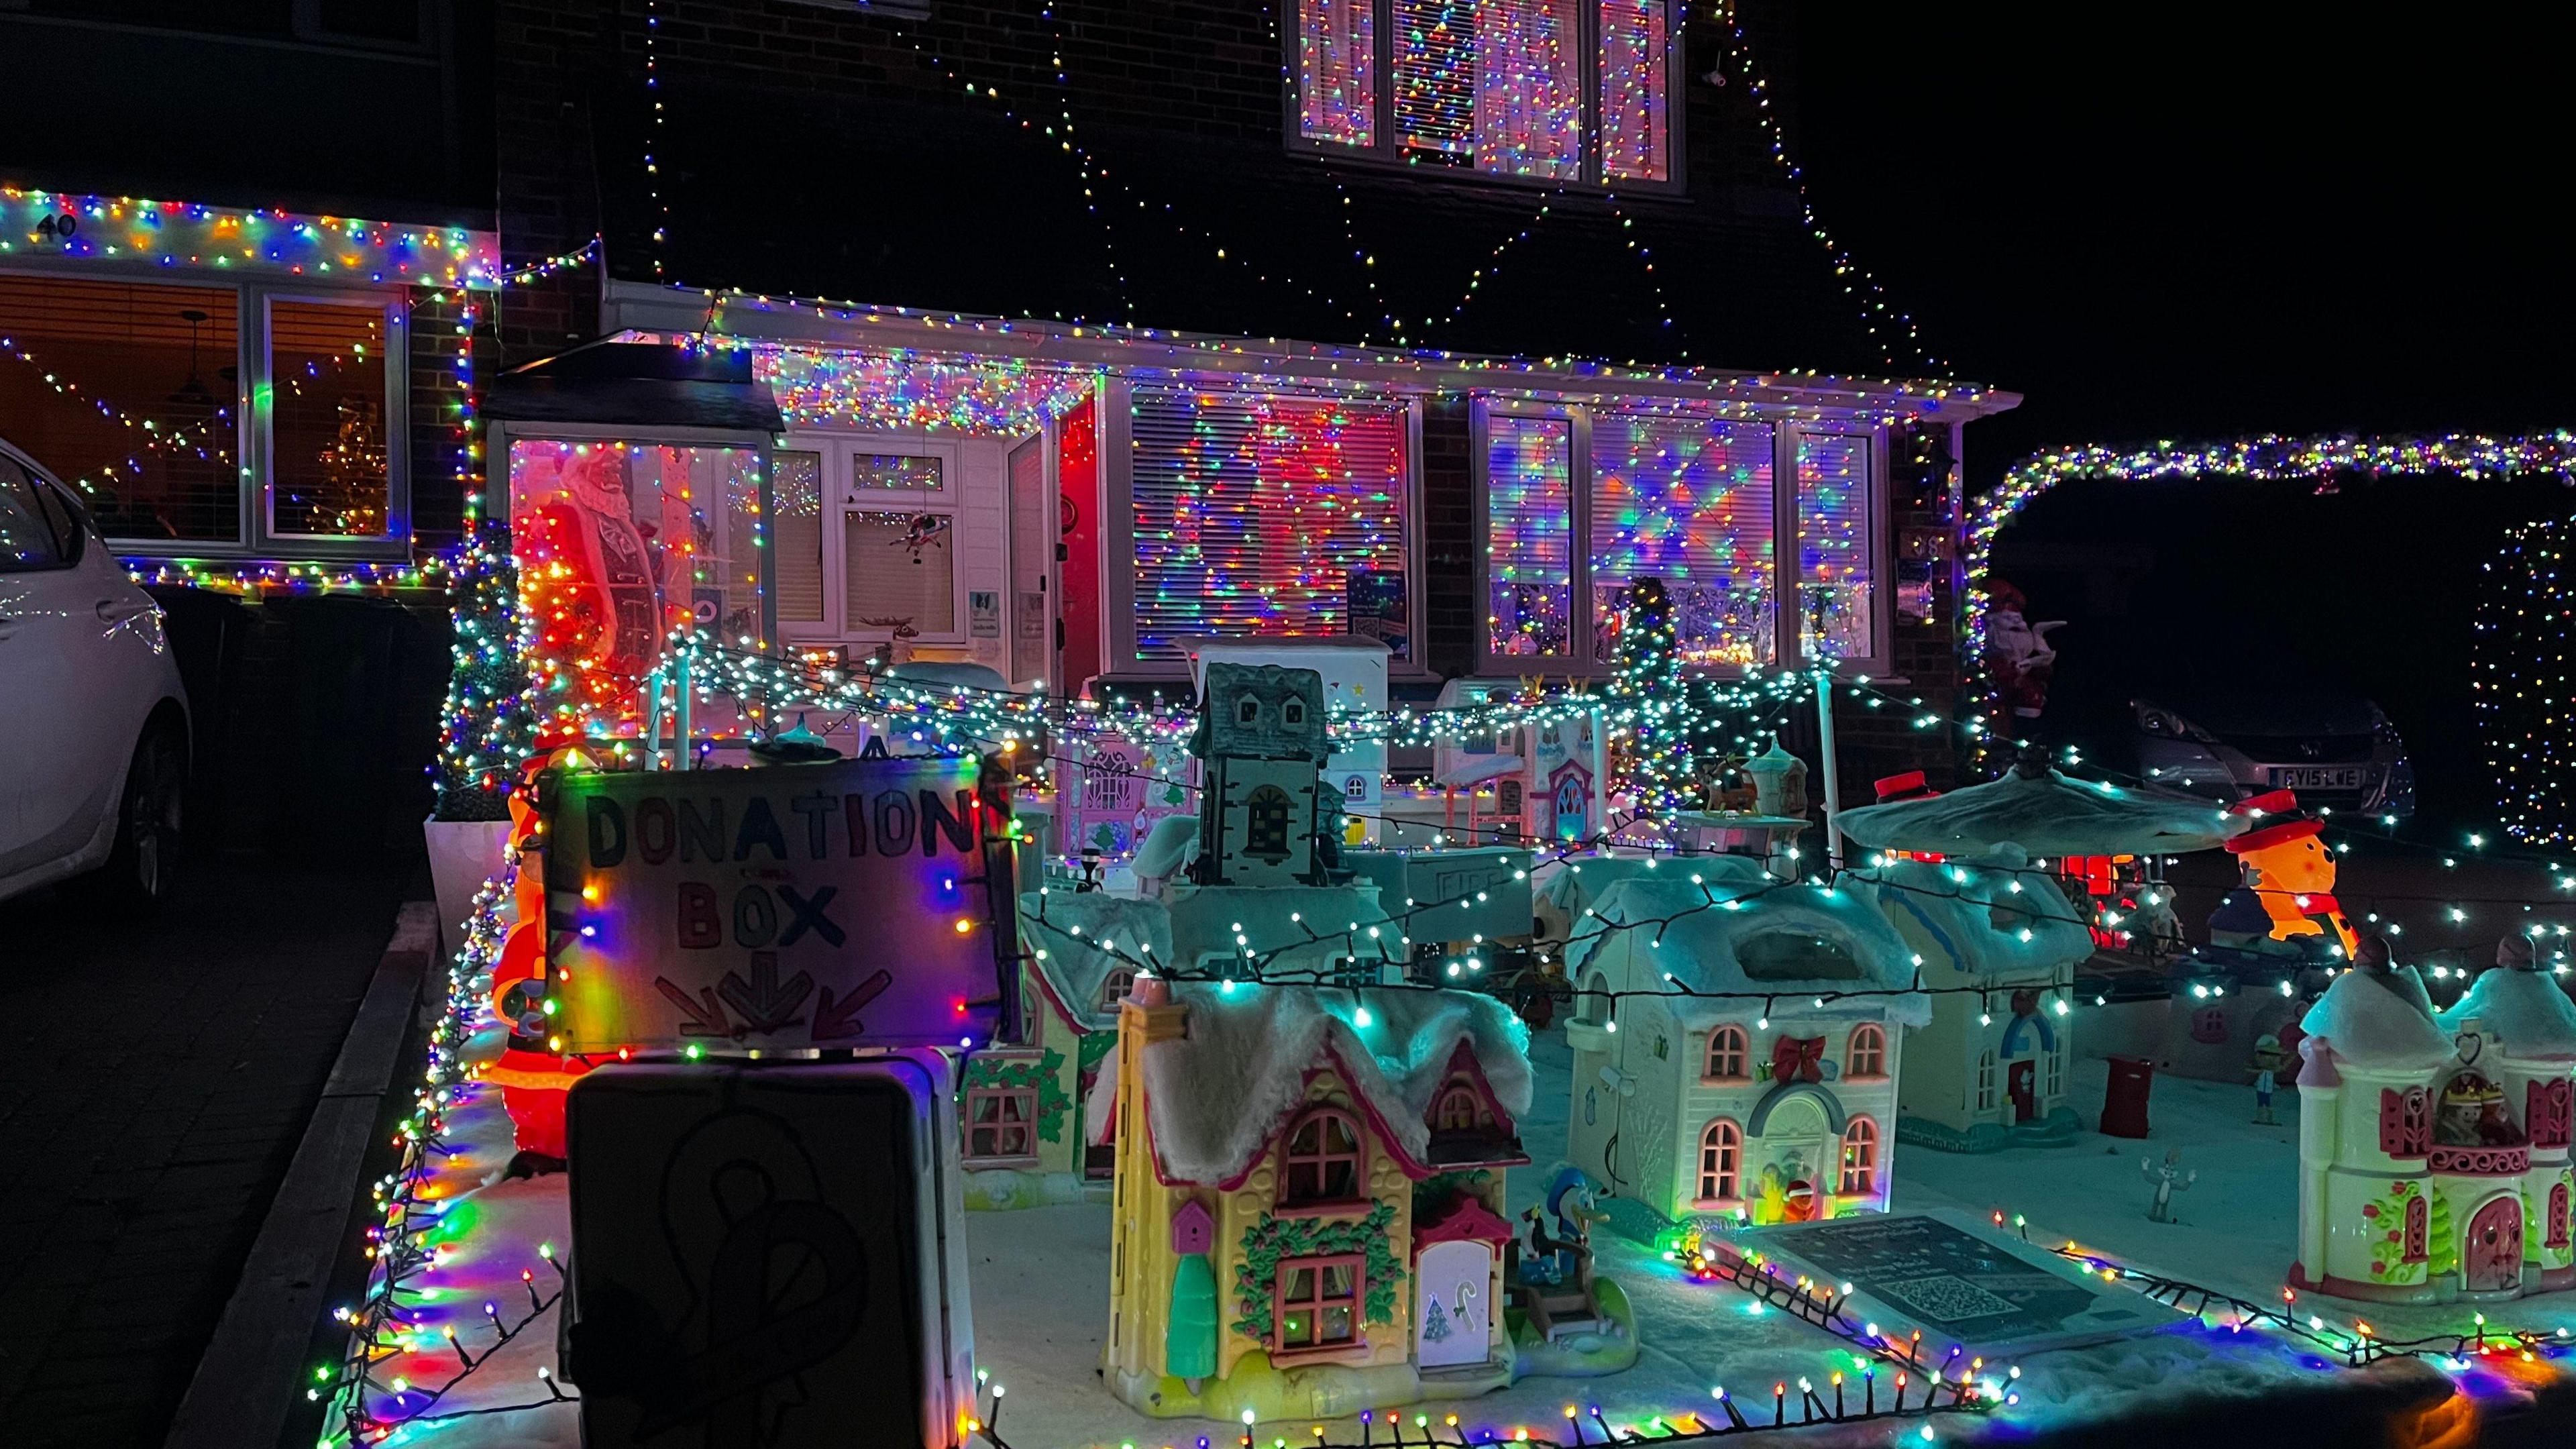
<point x="1797" y="1059"/>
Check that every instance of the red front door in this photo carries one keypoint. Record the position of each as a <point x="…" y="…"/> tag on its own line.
<point x="2025" y="1102"/>
<point x="2492" y="1258"/>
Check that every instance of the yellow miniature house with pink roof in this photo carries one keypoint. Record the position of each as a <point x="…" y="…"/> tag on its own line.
<point x="1308" y="1212"/>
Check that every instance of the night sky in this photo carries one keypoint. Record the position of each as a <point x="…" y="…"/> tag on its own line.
<point x="2209" y="222"/>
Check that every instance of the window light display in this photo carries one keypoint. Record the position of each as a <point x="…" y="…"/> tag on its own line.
<point x="1837" y="574"/>
<point x="1264" y="516"/>
<point x="1688" y="501"/>
<point x="1529" y="535"/>
<point x="330" y="446"/>
<point x="1499" y="86"/>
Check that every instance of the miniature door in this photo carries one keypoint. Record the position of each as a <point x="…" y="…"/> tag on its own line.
<point x="1451" y="1324"/>
<point x="2492" y="1258"/>
<point x="2025" y="1101"/>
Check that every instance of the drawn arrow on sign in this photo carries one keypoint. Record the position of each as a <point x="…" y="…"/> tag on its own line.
<point x="766" y="1003"/>
<point x="838" y="1020"/>
<point x="705" y="1017"/>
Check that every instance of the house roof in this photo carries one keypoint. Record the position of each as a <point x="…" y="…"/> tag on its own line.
<point x="2381" y="1019"/>
<point x="1086" y="935"/>
<point x="2045" y="814"/>
<point x="1975" y="921"/>
<point x="2524" y="1008"/>
<point x="1719" y="936"/>
<point x="1217" y="1094"/>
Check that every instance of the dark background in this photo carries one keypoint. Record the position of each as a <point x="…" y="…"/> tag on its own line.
<point x="2197" y="221"/>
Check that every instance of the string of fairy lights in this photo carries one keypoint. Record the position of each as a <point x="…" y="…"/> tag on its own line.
<point x="2271" y="457"/>
<point x="2519" y="682"/>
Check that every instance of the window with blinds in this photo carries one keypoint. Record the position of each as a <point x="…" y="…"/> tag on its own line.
<point x="1837" y="569"/>
<point x="1686" y="500"/>
<point x="1494" y="86"/>
<point x="328" y="452"/>
<point x="1529" y="536"/>
<point x="129" y="392"/>
<point x="1337" y="71"/>
<point x="1267" y="516"/>
<point x="796" y="535"/>
<point x="899" y="572"/>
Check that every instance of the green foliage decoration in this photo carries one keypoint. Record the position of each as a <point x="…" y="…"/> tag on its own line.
<point x="1275" y="1238"/>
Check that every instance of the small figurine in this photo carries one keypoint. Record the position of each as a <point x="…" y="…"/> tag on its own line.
<point x="2169" y="1179"/>
<point x="2268" y="1059"/>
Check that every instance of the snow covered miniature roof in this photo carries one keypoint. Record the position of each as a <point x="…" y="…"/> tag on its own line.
<point x="1580" y="880"/>
<point x="1842" y="943"/>
<point x="2524" y="1009"/>
<point x="1088" y="934"/>
<point x="2046" y="815"/>
<point x="2380" y="1021"/>
<point x="1976" y="922"/>
<point x="1216" y="1094"/>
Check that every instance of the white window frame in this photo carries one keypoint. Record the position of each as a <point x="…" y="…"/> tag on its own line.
<point x="1118" y="529"/>
<point x="254" y="440"/>
<point x="1788" y="560"/>
<point x="838" y="450"/>
<point x="1389" y="152"/>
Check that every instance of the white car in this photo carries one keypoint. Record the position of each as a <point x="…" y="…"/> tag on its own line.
<point x="93" y="721"/>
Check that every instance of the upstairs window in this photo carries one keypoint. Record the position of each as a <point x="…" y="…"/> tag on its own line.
<point x="1868" y="1052"/>
<point x="1727" y="1049"/>
<point x="1323" y="1159"/>
<point x="1569" y="91"/>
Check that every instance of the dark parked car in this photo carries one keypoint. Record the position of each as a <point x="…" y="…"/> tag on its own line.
<point x="2336" y="751"/>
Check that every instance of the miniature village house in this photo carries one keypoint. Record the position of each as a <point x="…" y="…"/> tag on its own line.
<point x="1755" y="1101"/>
<point x="1309" y="1213"/>
<point x="1989" y="1069"/>
<point x="2433" y="1151"/>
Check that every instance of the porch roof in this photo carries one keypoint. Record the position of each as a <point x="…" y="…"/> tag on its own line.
<point x="644" y="309"/>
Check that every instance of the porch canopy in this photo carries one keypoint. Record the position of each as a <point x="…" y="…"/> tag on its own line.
<point x="2046" y="814"/>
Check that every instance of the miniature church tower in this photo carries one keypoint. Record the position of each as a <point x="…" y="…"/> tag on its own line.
<point x="1262" y="806"/>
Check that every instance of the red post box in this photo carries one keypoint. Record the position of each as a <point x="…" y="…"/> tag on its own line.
<point x="2124" y="1103"/>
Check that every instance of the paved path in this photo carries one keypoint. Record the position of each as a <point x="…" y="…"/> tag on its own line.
<point x="156" y="1072"/>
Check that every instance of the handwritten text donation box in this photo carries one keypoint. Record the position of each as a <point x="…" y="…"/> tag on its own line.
<point x="859" y="903"/>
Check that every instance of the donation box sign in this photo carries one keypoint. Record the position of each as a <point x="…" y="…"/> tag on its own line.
<point x="859" y="903"/>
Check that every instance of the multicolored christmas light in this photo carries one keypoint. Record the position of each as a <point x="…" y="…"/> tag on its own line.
<point x="2271" y="457"/>
<point x="265" y="240"/>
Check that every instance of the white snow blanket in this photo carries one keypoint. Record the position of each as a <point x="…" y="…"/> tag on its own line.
<point x="1992" y="916"/>
<point x="1217" y="1094"/>
<point x="2526" y="1010"/>
<point x="1705" y="927"/>
<point x="2379" y="1021"/>
<point x="1088" y="934"/>
<point x="2045" y="816"/>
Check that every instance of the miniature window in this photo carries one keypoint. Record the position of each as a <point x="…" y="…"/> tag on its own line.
<point x="1499" y="87"/>
<point x="1727" y="1049"/>
<point x="1985" y="1081"/>
<point x="1860" y="1158"/>
<point x="1459" y="1110"/>
<point x="1292" y="713"/>
<point x="1247" y="710"/>
<point x="1720" y="1149"/>
<point x="1323" y="1159"/>
<point x="2557" y="1226"/>
<point x="2056" y="1086"/>
<point x="2405" y="1122"/>
<point x="998" y="1123"/>
<point x="1318" y="1304"/>
<point x="2418" y="1218"/>
<point x="1115" y="986"/>
<point x="2545" y="1112"/>
<point x="1867" y="1056"/>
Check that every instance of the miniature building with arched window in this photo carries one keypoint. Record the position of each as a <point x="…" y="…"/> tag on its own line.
<point x="1262" y="742"/>
<point x="1334" y="1160"/>
<point x="1751" y="1101"/>
<point x="2433" y="1150"/>
<point x="1990" y="1068"/>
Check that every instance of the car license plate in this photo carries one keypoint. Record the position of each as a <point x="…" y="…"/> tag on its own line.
<point x="2316" y="777"/>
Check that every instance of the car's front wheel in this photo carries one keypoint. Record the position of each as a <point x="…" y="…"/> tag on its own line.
<point x="144" y="866"/>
